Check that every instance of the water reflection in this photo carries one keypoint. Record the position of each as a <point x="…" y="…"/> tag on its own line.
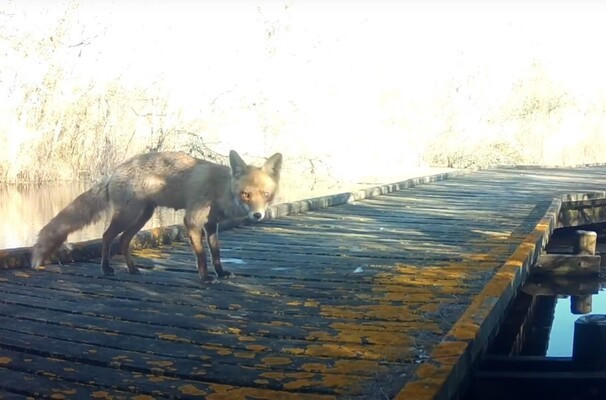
<point x="567" y="299"/>
<point x="24" y="209"/>
<point x="562" y="328"/>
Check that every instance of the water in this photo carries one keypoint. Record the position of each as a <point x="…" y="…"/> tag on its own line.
<point x="25" y="209"/>
<point x="562" y="328"/>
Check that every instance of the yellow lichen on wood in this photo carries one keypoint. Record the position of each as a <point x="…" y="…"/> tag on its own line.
<point x="101" y="395"/>
<point x="356" y="367"/>
<point x="225" y="392"/>
<point x="192" y="390"/>
<point x="256" y="347"/>
<point x="357" y="333"/>
<point x="274" y="361"/>
<point x="465" y="330"/>
<point x="314" y="367"/>
<point x="281" y="323"/>
<point x="383" y="311"/>
<point x="162" y="364"/>
<point x="171" y="337"/>
<point x="419" y="390"/>
<point x="149" y="252"/>
<point x="347" y="351"/>
<point x="245" y="354"/>
<point x="449" y="349"/>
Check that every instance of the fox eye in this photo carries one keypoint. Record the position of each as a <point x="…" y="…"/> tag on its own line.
<point x="265" y="194"/>
<point x="245" y="195"/>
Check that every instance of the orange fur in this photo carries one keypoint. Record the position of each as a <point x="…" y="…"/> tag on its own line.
<point x="209" y="193"/>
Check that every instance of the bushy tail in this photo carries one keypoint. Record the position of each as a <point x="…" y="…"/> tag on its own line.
<point x="84" y="210"/>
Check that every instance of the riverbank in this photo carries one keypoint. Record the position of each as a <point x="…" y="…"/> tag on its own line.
<point x="25" y="209"/>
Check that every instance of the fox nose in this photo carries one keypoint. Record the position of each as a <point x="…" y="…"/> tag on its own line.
<point x="257" y="216"/>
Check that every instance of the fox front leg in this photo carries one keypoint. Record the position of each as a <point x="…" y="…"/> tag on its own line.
<point x="211" y="229"/>
<point x="197" y="245"/>
<point x="196" y="217"/>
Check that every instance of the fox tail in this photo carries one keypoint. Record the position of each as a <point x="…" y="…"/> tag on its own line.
<point x="86" y="209"/>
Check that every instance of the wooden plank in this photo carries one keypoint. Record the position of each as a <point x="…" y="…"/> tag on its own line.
<point x="125" y="366"/>
<point x="302" y="324"/>
<point x="181" y="278"/>
<point x="567" y="264"/>
<point x="229" y="292"/>
<point x="343" y="273"/>
<point x="7" y="395"/>
<point x="534" y="385"/>
<point x="37" y="386"/>
<point x="61" y="379"/>
<point x="298" y="320"/>
<point x="192" y="317"/>
<point x="223" y="346"/>
<point x="105" y="377"/>
<point x="526" y="363"/>
<point x="561" y="285"/>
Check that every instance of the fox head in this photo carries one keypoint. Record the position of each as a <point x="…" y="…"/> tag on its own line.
<point x="253" y="187"/>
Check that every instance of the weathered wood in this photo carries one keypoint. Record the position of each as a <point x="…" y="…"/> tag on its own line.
<point x="532" y="377"/>
<point x="585" y="209"/>
<point x="583" y="261"/>
<point x="567" y="264"/>
<point x="540" y="385"/>
<point x="354" y="301"/>
<point x="580" y="305"/>
<point x="526" y="363"/>
<point x="585" y="242"/>
<point x="555" y="285"/>
<point x="589" y="343"/>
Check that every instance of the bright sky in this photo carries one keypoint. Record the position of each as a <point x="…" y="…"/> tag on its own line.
<point x="331" y="67"/>
<point x="395" y="39"/>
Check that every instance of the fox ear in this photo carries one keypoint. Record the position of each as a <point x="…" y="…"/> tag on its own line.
<point x="238" y="166"/>
<point x="273" y="165"/>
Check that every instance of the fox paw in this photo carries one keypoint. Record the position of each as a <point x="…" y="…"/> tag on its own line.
<point x="226" y="275"/>
<point x="107" y="270"/>
<point x="134" y="270"/>
<point x="210" y="280"/>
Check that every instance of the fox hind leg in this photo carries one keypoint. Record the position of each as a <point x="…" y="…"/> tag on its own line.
<point x="130" y="232"/>
<point x="120" y="221"/>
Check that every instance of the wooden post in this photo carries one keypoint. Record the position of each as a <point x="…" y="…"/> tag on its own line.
<point x="584" y="244"/>
<point x="589" y="345"/>
<point x="580" y="305"/>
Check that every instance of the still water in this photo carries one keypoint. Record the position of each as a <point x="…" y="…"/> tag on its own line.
<point x="562" y="328"/>
<point x="25" y="209"/>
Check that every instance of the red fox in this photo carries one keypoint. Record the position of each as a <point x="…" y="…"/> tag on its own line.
<point x="209" y="193"/>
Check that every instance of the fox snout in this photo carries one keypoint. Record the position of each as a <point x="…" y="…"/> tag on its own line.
<point x="254" y="214"/>
<point x="254" y="203"/>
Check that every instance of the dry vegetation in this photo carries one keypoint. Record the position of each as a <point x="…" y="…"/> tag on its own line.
<point x="55" y="127"/>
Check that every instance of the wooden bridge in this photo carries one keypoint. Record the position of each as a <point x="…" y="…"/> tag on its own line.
<point x="390" y="293"/>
